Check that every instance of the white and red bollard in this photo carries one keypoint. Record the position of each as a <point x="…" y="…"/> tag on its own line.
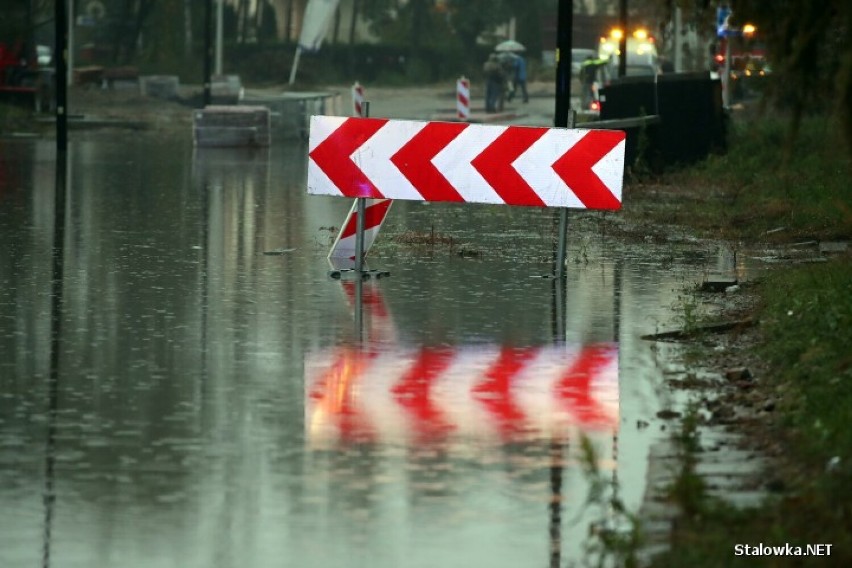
<point x="357" y="99"/>
<point x="344" y="247"/>
<point x="463" y="98"/>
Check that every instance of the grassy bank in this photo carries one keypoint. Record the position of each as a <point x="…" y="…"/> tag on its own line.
<point x="805" y="323"/>
<point x="767" y="186"/>
<point x="766" y="189"/>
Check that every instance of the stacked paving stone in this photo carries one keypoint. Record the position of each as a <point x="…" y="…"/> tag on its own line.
<point x="227" y="126"/>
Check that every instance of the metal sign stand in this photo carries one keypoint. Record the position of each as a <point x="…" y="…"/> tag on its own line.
<point x="562" y="237"/>
<point x="361" y="206"/>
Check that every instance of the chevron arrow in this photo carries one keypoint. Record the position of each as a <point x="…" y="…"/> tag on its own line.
<point x="458" y="162"/>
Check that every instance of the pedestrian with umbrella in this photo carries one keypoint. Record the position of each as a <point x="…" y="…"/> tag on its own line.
<point x="495" y="82"/>
<point x="511" y="51"/>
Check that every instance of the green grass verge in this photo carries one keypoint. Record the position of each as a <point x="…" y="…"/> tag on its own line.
<point x="766" y="182"/>
<point x="805" y="319"/>
<point x="806" y="322"/>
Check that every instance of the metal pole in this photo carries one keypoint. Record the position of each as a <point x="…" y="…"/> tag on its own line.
<point x="726" y="77"/>
<point x="559" y="271"/>
<point x="563" y="117"/>
<point x="70" y="71"/>
<point x="359" y="219"/>
<point x="359" y="234"/>
<point x="622" y="44"/>
<point x="219" y="34"/>
<point x="564" y="25"/>
<point x="560" y="250"/>
<point x="295" y="65"/>
<point x="208" y="48"/>
<point x="678" y="45"/>
<point x="60" y="76"/>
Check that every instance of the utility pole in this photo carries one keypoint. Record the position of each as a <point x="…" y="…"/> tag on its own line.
<point x="60" y="77"/>
<point x="564" y="39"/>
<point x="622" y="43"/>
<point x="563" y="117"/>
<point x="208" y="51"/>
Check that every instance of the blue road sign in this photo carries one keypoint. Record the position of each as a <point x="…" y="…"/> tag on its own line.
<point x="723" y="13"/>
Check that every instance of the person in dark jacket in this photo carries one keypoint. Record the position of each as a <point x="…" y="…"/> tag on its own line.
<point x="495" y="82"/>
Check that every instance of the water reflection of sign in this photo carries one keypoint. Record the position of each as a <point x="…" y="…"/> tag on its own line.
<point x="499" y="393"/>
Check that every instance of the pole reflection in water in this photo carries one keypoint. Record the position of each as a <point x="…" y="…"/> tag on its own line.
<point x="556" y="451"/>
<point x="56" y="309"/>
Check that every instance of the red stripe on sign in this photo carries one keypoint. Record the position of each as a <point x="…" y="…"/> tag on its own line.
<point x="414" y="160"/>
<point x="575" y="168"/>
<point x="373" y="216"/>
<point x="495" y="165"/>
<point x="333" y="156"/>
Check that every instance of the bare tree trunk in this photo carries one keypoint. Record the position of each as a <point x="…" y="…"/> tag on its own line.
<point x="289" y="24"/>
<point x="187" y="28"/>
<point x="242" y="21"/>
<point x="353" y="21"/>
<point x="258" y="18"/>
<point x="335" y="36"/>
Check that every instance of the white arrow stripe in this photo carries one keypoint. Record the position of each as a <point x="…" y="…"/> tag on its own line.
<point x="454" y="162"/>
<point x="319" y="183"/>
<point x="611" y="169"/>
<point x="321" y="128"/>
<point x="373" y="157"/>
<point x="535" y="166"/>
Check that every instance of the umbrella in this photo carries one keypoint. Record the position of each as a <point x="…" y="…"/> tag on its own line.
<point x="509" y="45"/>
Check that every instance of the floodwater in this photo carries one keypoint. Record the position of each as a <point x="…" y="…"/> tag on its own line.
<point x="183" y="384"/>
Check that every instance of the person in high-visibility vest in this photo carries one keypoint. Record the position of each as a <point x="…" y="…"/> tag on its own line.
<point x="588" y="77"/>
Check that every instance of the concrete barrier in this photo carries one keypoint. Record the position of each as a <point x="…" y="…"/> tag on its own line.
<point x="228" y="126"/>
<point x="159" y="86"/>
<point x="290" y="112"/>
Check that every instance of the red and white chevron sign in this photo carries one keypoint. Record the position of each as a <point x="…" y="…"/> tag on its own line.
<point x="498" y="393"/>
<point x="375" y="213"/>
<point x="456" y="161"/>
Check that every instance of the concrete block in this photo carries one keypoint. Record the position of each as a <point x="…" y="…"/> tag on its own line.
<point x="230" y="126"/>
<point x="159" y="86"/>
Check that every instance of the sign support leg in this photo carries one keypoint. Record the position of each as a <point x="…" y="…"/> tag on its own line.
<point x="359" y="219"/>
<point x="360" y="211"/>
<point x="559" y="269"/>
<point x="359" y="235"/>
<point x="562" y="243"/>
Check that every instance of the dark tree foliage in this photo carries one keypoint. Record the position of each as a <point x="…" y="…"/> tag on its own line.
<point x="133" y="15"/>
<point x="809" y="46"/>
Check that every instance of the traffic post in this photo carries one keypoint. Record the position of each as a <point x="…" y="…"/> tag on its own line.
<point x="463" y="98"/>
<point x="358" y="99"/>
<point x="361" y="226"/>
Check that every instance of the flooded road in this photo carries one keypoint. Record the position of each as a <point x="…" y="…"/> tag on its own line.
<point x="182" y="383"/>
